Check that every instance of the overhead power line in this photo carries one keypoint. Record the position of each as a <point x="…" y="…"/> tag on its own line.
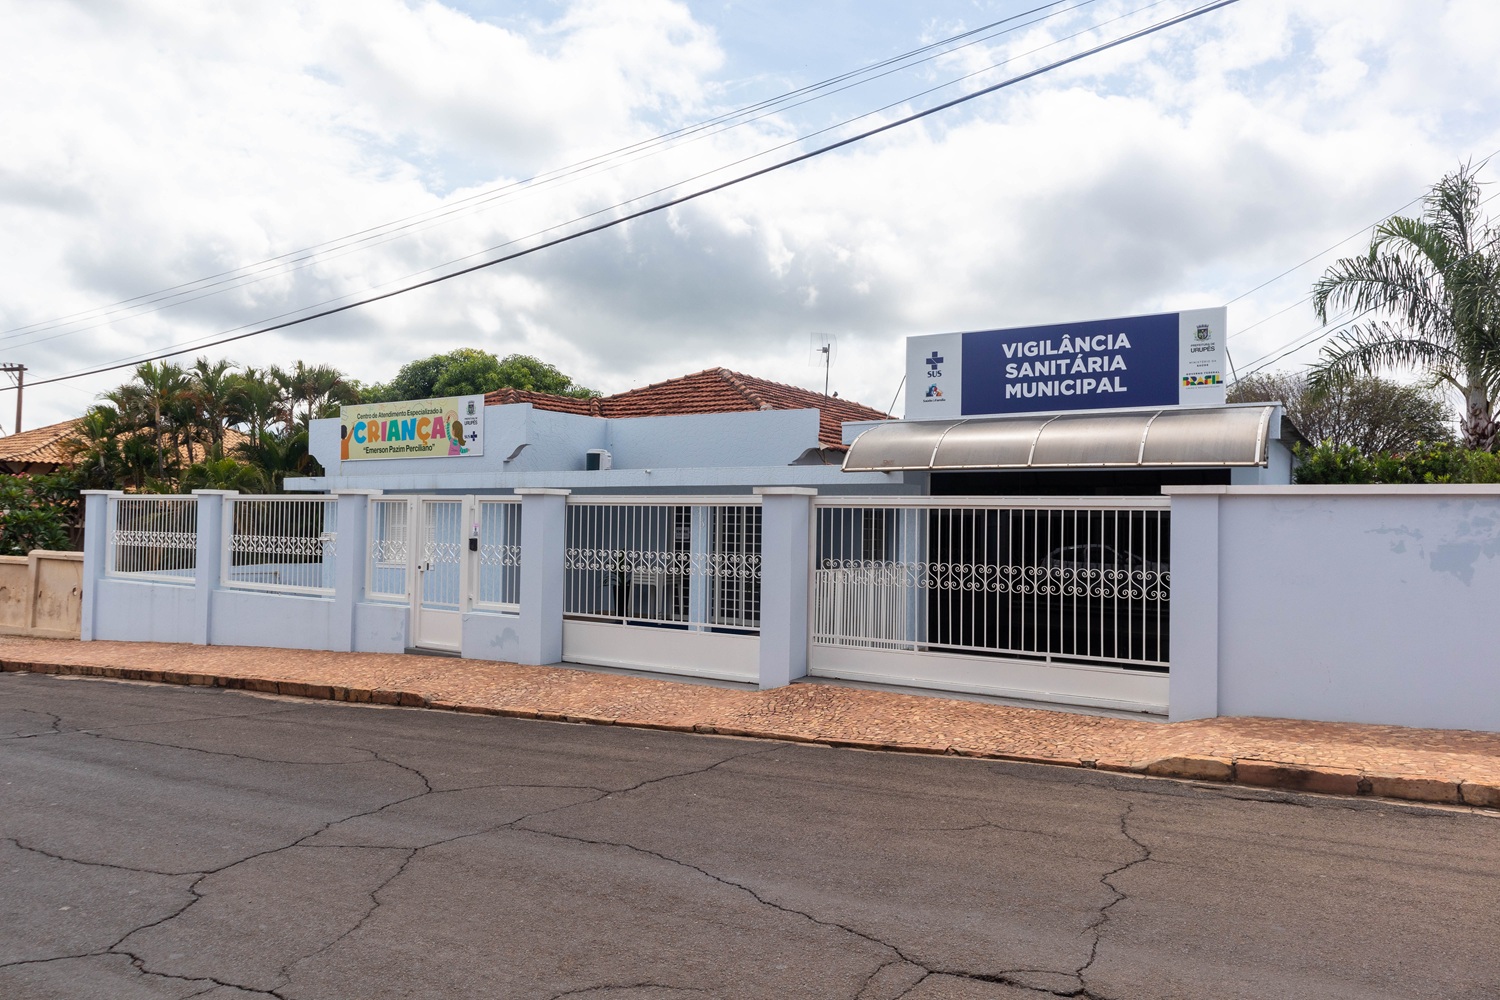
<point x="209" y="339"/>
<point x="1151" y="29"/>
<point x="182" y="294"/>
<point x="1326" y="329"/>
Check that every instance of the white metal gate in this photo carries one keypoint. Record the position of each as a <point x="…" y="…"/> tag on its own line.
<point x="441" y="594"/>
<point x="1050" y="599"/>
<point x="667" y="584"/>
<point x="444" y="556"/>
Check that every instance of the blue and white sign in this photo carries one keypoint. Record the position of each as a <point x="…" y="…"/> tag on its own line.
<point x="1171" y="359"/>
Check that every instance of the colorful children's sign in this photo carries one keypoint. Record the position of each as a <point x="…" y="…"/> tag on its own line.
<point x="452" y="427"/>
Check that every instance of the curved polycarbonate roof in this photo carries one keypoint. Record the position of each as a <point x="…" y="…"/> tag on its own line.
<point x="1197" y="436"/>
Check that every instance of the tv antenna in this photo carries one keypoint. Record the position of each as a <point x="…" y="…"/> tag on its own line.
<point x="824" y="351"/>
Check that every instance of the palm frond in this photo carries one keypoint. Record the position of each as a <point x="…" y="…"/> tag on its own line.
<point x="1369" y="348"/>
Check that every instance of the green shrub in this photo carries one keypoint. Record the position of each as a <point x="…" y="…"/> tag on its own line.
<point x="39" y="512"/>
<point x="1328" y="463"/>
<point x="1426" y="463"/>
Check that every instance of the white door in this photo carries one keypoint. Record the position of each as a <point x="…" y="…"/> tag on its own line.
<point x="441" y="594"/>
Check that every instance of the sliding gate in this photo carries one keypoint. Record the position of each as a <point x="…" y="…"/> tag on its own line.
<point x="1061" y="600"/>
<point x="664" y="584"/>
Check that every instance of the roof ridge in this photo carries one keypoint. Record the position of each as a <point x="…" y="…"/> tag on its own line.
<point x="737" y="381"/>
<point x="824" y="397"/>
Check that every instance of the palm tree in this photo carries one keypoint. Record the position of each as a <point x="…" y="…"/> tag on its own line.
<point x="1433" y="284"/>
<point x="224" y="474"/>
<point x="277" y="455"/>
<point x="95" y="446"/>
<point x="162" y="387"/>
<point x="258" y="400"/>
<point x="313" y="387"/>
<point x="213" y="393"/>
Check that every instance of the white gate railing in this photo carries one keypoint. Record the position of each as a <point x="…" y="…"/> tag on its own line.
<point x="499" y="578"/>
<point x="1071" y="580"/>
<point x="664" y="561"/>
<point x="282" y="544"/>
<point x="152" y="538"/>
<point x="390" y="533"/>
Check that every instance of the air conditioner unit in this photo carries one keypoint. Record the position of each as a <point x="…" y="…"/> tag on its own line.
<point x="597" y="460"/>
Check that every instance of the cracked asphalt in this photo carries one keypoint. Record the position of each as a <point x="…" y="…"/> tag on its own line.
<point x="168" y="842"/>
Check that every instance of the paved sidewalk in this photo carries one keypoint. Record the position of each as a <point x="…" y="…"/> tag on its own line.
<point x="1426" y="765"/>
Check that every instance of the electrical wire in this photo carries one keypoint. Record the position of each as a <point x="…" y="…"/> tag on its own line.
<point x="1131" y="36"/>
<point x="1328" y="328"/>
<point x="208" y="340"/>
<point x="379" y="235"/>
<point x="617" y="205"/>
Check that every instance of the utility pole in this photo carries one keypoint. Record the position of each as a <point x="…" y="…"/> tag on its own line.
<point x="19" y="371"/>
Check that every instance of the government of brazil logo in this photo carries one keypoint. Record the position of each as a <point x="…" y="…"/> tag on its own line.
<point x="1203" y="332"/>
<point x="934" y="363"/>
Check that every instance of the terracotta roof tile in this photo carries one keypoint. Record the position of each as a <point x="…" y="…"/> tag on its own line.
<point x="40" y="445"/>
<point x="543" y="401"/>
<point x="714" y="390"/>
<point x="49" y="446"/>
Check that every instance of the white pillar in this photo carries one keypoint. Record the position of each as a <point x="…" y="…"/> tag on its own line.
<point x="786" y="560"/>
<point x="544" y="524"/>
<point x="1193" y="683"/>
<point x="350" y="556"/>
<point x="96" y="531"/>
<point x="213" y="539"/>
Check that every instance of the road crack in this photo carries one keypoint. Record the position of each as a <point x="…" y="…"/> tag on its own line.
<point x="96" y="864"/>
<point x="1102" y="918"/>
<point x="614" y="987"/>
<point x="54" y="726"/>
<point x="1011" y="977"/>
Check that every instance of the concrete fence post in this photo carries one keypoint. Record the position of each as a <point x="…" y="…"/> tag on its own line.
<point x="1193" y="683"/>
<point x="213" y="538"/>
<point x="350" y="555"/>
<point x="786" y="561"/>
<point x="95" y="552"/>
<point x="544" y="544"/>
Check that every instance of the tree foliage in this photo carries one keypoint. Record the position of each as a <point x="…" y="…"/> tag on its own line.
<point x="1442" y="462"/>
<point x="469" y="371"/>
<point x="1432" y="287"/>
<point x="39" y="512"/>
<point x="167" y="429"/>
<point x="1366" y="412"/>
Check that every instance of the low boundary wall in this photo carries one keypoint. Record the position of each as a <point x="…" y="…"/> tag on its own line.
<point x="41" y="594"/>
<point x="1368" y="604"/>
<point x="1357" y="604"/>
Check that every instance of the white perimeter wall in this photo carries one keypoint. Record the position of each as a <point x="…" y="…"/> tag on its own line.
<point x="144" y="612"/>
<point x="255" y="618"/>
<point x="1354" y="604"/>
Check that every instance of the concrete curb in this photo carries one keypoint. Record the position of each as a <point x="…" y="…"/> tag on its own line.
<point x="1253" y="772"/>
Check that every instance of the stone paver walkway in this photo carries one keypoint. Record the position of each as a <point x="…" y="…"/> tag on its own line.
<point x="1340" y="758"/>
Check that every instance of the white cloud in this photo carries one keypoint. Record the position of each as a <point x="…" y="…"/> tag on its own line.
<point x="159" y="143"/>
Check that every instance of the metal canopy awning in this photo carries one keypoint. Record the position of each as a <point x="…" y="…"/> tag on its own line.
<point x="1213" y="436"/>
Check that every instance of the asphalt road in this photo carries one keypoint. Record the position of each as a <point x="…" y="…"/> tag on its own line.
<point x="160" y="842"/>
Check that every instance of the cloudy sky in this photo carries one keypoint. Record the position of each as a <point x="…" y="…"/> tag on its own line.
<point x="172" y="173"/>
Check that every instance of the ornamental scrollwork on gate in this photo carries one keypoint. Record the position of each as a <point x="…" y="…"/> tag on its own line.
<point x="442" y="552"/>
<point x="1024" y="581"/>
<point x="389" y="550"/>
<point x="283" y="545"/>
<point x="711" y="565"/>
<point x="157" y="539"/>
<point x="500" y="555"/>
